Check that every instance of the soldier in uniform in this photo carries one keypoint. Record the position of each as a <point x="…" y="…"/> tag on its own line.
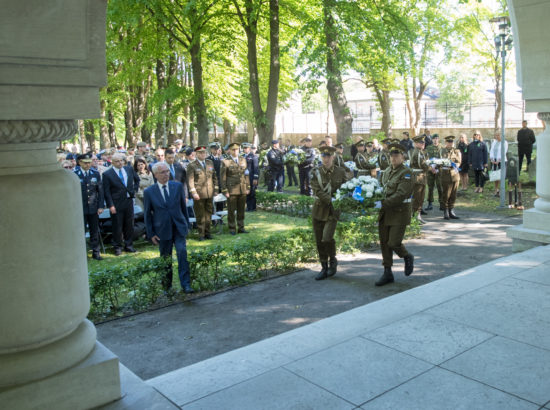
<point x="419" y="168"/>
<point x="450" y="177"/>
<point x="433" y="175"/>
<point x="384" y="155"/>
<point x="235" y="185"/>
<point x="203" y="185"/>
<point x="305" y="167"/>
<point x="363" y="159"/>
<point x="275" y="167"/>
<point x="325" y="180"/>
<point x="395" y="213"/>
<point x="339" y="160"/>
<point x="253" y="175"/>
<point x="92" y="199"/>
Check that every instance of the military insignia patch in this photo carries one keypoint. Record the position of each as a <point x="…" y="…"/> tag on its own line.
<point x="407" y="176"/>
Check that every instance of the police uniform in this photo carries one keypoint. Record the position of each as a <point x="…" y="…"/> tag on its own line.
<point x="450" y="178"/>
<point x="92" y="201"/>
<point x="304" y="169"/>
<point x="325" y="182"/>
<point x="432" y="179"/>
<point x="395" y="215"/>
<point x="234" y="180"/>
<point x="275" y="168"/>
<point x="420" y="169"/>
<point x="253" y="175"/>
<point x="202" y="181"/>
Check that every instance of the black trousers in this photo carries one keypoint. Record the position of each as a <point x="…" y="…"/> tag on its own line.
<point x="305" y="181"/>
<point x="93" y="227"/>
<point x="123" y="224"/>
<point x="291" y="172"/>
<point x="277" y="179"/>
<point x="251" y="199"/>
<point x="479" y="178"/>
<point x="527" y="156"/>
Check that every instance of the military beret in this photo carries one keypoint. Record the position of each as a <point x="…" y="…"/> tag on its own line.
<point x="435" y="136"/>
<point x="396" y="148"/>
<point x="327" y="151"/>
<point x="84" y="157"/>
<point x="450" y="138"/>
<point x="233" y="145"/>
<point x="200" y="148"/>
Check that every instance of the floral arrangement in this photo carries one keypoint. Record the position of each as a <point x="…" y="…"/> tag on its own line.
<point x="358" y="194"/>
<point x="351" y="165"/>
<point x="294" y="157"/>
<point x="374" y="161"/>
<point x="438" y="162"/>
<point x="262" y="158"/>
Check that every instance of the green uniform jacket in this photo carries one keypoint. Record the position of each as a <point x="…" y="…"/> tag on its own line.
<point x="384" y="159"/>
<point x="233" y="178"/>
<point x="398" y="186"/>
<point x="362" y="161"/>
<point x="322" y="207"/>
<point x="202" y="181"/>
<point x="432" y="151"/>
<point x="450" y="173"/>
<point x="419" y="166"/>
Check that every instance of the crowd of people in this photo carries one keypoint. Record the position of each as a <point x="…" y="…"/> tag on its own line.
<point x="191" y="184"/>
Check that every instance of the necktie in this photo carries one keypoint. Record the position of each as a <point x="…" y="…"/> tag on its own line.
<point x="203" y="165"/>
<point x="86" y="174"/>
<point x="121" y="176"/>
<point x="237" y="161"/>
<point x="165" y="192"/>
<point x="172" y="172"/>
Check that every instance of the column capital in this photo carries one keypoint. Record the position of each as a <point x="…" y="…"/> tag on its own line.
<point x="544" y="116"/>
<point x="33" y="131"/>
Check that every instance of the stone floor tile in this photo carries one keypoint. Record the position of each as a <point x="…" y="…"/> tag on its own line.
<point x="513" y="308"/>
<point x="540" y="274"/>
<point x="359" y="369"/>
<point x="428" y="337"/>
<point x="275" y="390"/>
<point x="507" y="365"/>
<point x="440" y="389"/>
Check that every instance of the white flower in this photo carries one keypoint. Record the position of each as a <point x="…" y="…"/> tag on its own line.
<point x="369" y="194"/>
<point x="364" y="187"/>
<point x="370" y="189"/>
<point x="350" y="185"/>
<point x="378" y="190"/>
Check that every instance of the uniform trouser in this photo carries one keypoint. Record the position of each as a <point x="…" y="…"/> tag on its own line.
<point x="527" y="155"/>
<point x="165" y="248"/>
<point x="123" y="224"/>
<point x="203" y="213"/>
<point x="433" y="180"/>
<point x="291" y="172"/>
<point x="251" y="198"/>
<point x="93" y="226"/>
<point x="419" y="191"/>
<point x="391" y="240"/>
<point x="305" y="181"/>
<point x="449" y="184"/>
<point x="326" y="249"/>
<point x="276" y="179"/>
<point x="236" y="203"/>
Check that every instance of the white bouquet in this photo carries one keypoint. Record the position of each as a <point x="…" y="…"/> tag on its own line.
<point x="438" y="162"/>
<point x="374" y="161"/>
<point x="351" y="165"/>
<point x="358" y="194"/>
<point x="294" y="157"/>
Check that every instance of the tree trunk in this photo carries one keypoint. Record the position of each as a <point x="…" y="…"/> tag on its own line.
<point x="81" y="135"/>
<point x="103" y="133"/>
<point x="198" y="88"/>
<point x="112" y="130"/>
<point x="383" y="97"/>
<point x="128" y="122"/>
<point x="172" y="75"/>
<point x="90" y="134"/>
<point x="160" y="130"/>
<point x="342" y="113"/>
<point x="226" y="131"/>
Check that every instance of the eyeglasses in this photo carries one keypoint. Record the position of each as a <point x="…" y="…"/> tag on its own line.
<point x="67" y="167"/>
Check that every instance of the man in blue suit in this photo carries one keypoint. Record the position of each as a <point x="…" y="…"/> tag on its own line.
<point x="167" y="223"/>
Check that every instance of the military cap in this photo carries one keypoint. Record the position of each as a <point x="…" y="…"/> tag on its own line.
<point x="419" y="138"/>
<point x="327" y="151"/>
<point x="188" y="151"/>
<point x="141" y="144"/>
<point x="339" y="145"/>
<point x="178" y="141"/>
<point x="273" y="142"/>
<point x="246" y="145"/>
<point x="395" y="141"/>
<point x="369" y="144"/>
<point x="200" y="148"/>
<point x="84" y="157"/>
<point x="360" y="143"/>
<point x="253" y="146"/>
<point x="214" y="145"/>
<point x="435" y="136"/>
<point x="308" y="138"/>
<point x="406" y="133"/>
<point x="450" y="138"/>
<point x="233" y="145"/>
<point x="396" y="148"/>
<point x="386" y="141"/>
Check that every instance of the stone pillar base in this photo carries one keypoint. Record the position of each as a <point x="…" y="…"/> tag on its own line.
<point x="91" y="383"/>
<point x="534" y="231"/>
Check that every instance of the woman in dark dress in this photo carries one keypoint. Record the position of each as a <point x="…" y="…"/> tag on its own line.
<point x="478" y="159"/>
<point x="464" y="166"/>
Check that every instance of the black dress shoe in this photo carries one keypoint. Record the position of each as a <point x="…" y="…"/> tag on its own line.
<point x="422" y="212"/>
<point x="130" y="249"/>
<point x="387" y="277"/>
<point x="446" y="214"/>
<point x="441" y="208"/>
<point x="429" y="207"/>
<point x="118" y="252"/>
<point x="97" y="256"/>
<point x="243" y="231"/>
<point x="409" y="264"/>
<point x="188" y="290"/>
<point x="323" y="274"/>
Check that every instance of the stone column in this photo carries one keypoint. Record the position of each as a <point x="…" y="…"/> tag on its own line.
<point x="52" y="63"/>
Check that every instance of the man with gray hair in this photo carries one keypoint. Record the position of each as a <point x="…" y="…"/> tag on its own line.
<point x="120" y="184"/>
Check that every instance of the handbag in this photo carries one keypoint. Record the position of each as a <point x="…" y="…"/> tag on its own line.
<point x="494" y="175"/>
<point x="485" y="175"/>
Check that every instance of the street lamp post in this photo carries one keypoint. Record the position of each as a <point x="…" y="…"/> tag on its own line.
<point x="503" y="44"/>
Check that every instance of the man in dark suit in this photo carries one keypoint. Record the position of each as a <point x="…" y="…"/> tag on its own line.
<point x="167" y="223"/>
<point x="92" y="199"/>
<point x="120" y="184"/>
<point x="253" y="175"/>
<point x="177" y="172"/>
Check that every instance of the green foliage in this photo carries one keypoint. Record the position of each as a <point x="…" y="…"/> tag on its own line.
<point x="457" y="91"/>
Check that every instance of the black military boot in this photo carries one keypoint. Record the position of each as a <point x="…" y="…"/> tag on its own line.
<point x="323" y="274"/>
<point x="446" y="215"/>
<point x="452" y="214"/>
<point x="422" y="212"/>
<point x="409" y="264"/>
<point x="386" y="278"/>
<point x="332" y="265"/>
<point x="429" y="207"/>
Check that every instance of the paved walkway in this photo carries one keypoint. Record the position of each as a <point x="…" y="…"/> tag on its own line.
<point x="158" y="342"/>
<point x="479" y="339"/>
